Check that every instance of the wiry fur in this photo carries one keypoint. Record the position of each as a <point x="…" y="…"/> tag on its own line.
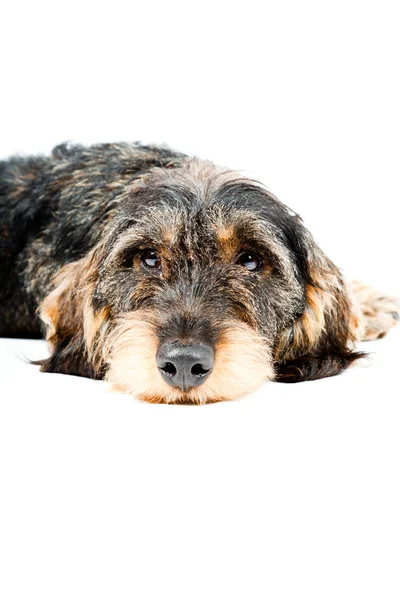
<point x="72" y="230"/>
<point x="242" y="364"/>
<point x="377" y="313"/>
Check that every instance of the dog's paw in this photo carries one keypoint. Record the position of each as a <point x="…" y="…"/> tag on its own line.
<point x="378" y="313"/>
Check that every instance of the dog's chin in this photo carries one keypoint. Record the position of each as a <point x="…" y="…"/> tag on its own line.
<point x="177" y="396"/>
<point x="242" y="363"/>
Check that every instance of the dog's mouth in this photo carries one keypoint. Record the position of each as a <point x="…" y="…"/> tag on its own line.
<point x="182" y="370"/>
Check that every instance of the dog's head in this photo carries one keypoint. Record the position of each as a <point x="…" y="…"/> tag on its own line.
<point x="203" y="286"/>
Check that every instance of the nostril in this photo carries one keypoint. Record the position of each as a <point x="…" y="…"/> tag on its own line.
<point x="169" y="369"/>
<point x="184" y="365"/>
<point x="199" y="370"/>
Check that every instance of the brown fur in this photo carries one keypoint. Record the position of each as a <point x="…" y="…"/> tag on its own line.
<point x="242" y="363"/>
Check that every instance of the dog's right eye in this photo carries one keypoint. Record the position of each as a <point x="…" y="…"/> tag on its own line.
<point x="151" y="259"/>
<point x="250" y="260"/>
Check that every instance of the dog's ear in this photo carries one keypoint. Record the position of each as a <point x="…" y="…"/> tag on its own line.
<point x="320" y="342"/>
<point x="71" y="323"/>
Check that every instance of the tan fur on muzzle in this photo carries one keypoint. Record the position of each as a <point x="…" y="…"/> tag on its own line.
<point x="242" y="363"/>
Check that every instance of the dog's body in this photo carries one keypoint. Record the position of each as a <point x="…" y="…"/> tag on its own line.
<point x="176" y="280"/>
<point x="53" y="211"/>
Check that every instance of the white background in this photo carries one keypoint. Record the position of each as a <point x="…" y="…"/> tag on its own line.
<point x="292" y="492"/>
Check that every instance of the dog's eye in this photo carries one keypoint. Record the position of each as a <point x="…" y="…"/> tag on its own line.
<point x="250" y="260"/>
<point x="151" y="259"/>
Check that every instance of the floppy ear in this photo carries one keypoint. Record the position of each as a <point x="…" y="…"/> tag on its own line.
<point x="72" y="325"/>
<point x="320" y="342"/>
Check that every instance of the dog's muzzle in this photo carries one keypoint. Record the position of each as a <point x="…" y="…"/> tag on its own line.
<point x="185" y="365"/>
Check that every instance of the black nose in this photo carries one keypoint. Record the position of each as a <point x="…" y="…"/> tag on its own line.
<point x="185" y="365"/>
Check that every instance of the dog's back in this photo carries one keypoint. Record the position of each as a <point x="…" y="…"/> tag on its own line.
<point x="21" y="216"/>
<point x="52" y="211"/>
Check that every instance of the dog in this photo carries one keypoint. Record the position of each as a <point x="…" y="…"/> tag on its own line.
<point x="174" y="279"/>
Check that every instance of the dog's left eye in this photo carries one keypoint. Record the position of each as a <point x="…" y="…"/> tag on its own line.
<point x="151" y="259"/>
<point x="250" y="260"/>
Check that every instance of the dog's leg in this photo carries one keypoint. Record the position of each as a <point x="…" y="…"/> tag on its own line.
<point x="377" y="313"/>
